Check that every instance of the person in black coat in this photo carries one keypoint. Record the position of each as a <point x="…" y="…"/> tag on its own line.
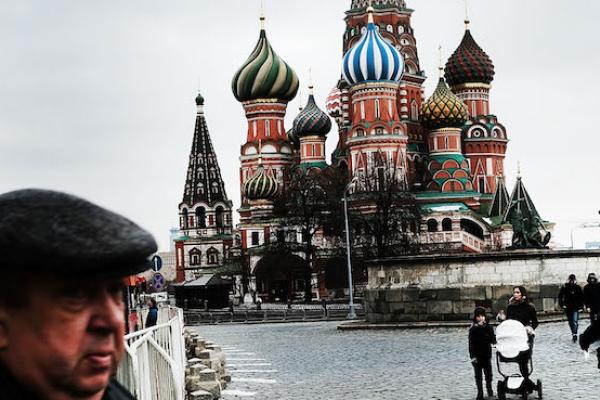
<point x="520" y="309"/>
<point x="591" y="295"/>
<point x="481" y="339"/>
<point x="570" y="299"/>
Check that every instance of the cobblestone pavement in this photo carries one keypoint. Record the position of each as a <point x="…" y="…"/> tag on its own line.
<point x="314" y="361"/>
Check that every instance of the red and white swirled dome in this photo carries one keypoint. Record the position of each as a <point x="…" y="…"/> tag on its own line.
<point x="334" y="102"/>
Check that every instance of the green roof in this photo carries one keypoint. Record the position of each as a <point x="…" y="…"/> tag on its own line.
<point x="318" y="164"/>
<point x="443" y="207"/>
<point x="432" y="195"/>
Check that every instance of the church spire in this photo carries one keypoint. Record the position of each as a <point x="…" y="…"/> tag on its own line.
<point x="203" y="183"/>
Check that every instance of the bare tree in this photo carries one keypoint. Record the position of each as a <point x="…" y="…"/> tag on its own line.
<point x="384" y="214"/>
<point x="310" y="203"/>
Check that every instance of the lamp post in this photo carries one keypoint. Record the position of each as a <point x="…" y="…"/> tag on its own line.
<point x="351" y="312"/>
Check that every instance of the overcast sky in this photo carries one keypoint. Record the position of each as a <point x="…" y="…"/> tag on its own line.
<point x="97" y="97"/>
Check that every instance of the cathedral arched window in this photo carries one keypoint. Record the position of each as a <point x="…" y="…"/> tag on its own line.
<point x="200" y="188"/>
<point x="212" y="173"/>
<point x="377" y="109"/>
<point x="254" y="129"/>
<point x="362" y="110"/>
<point x="200" y="173"/>
<point x="268" y="128"/>
<point x="390" y="29"/>
<point x="473" y="108"/>
<point x="414" y="111"/>
<point x="195" y="256"/>
<point x="360" y="132"/>
<point x="447" y="225"/>
<point x="215" y="187"/>
<point x="400" y="29"/>
<point x="432" y="225"/>
<point x="184" y="218"/>
<point x="212" y="256"/>
<point x="219" y="216"/>
<point x="201" y="217"/>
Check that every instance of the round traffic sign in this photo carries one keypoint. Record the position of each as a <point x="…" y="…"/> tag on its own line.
<point x="158" y="281"/>
<point x="156" y="263"/>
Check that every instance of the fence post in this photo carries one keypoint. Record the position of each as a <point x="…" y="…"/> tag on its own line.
<point x="178" y="357"/>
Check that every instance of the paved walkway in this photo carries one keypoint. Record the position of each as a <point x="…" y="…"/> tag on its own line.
<point x="315" y="361"/>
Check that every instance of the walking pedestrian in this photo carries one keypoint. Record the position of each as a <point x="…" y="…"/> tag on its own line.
<point x="570" y="299"/>
<point x="62" y="312"/>
<point x="481" y="339"/>
<point x="591" y="298"/>
<point x="258" y="303"/>
<point x="152" y="316"/>
<point x="324" y="305"/>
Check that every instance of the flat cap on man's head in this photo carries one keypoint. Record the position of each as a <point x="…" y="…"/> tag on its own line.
<point x="57" y="233"/>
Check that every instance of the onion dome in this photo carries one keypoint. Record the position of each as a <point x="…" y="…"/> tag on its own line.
<point x="311" y="120"/>
<point x="443" y="109"/>
<point x="264" y="75"/>
<point x="469" y="64"/>
<point x="261" y="186"/>
<point x="333" y="104"/>
<point x="199" y="100"/>
<point x="372" y="58"/>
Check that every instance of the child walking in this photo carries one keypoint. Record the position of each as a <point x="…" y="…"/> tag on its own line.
<point x="481" y="338"/>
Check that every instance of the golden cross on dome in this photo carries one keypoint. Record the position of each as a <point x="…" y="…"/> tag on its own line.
<point x="310" y="82"/>
<point x="467" y="19"/>
<point x="440" y="66"/>
<point x="262" y="14"/>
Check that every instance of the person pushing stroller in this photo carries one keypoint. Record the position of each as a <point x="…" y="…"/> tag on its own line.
<point x="481" y="339"/>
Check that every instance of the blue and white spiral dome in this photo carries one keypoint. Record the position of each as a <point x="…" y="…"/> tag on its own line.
<point x="372" y="58"/>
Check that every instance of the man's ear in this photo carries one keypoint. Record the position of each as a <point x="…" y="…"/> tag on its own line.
<point x="3" y="327"/>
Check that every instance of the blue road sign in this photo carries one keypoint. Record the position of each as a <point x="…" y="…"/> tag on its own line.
<point x="156" y="263"/>
<point x="158" y="281"/>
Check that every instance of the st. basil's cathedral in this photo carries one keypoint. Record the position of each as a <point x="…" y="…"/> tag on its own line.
<point x="448" y="151"/>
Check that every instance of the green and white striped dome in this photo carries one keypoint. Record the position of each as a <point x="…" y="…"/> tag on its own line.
<point x="264" y="75"/>
<point x="261" y="186"/>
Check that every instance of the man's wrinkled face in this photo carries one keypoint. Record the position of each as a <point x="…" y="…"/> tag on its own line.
<point x="67" y="340"/>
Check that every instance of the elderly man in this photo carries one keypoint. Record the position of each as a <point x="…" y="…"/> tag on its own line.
<point x="61" y="303"/>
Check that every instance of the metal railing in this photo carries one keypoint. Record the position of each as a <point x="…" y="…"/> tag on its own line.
<point x="281" y="314"/>
<point x="153" y="367"/>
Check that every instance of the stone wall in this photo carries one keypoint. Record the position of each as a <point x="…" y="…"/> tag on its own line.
<point x="449" y="287"/>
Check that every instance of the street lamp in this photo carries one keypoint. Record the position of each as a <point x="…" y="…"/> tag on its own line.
<point x="351" y="312"/>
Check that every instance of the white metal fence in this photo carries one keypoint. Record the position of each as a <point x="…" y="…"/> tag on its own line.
<point x="153" y="367"/>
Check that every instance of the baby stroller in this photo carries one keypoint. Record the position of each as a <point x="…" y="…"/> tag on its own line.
<point x="513" y="347"/>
